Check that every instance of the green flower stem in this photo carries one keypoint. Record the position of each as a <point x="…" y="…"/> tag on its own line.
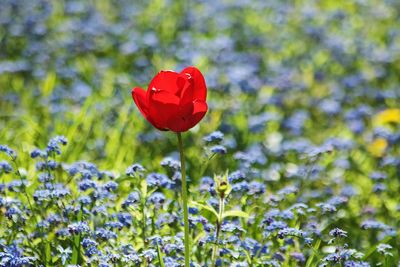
<point x="219" y="223"/>
<point x="185" y="201"/>
<point x="144" y="224"/>
<point x="24" y="183"/>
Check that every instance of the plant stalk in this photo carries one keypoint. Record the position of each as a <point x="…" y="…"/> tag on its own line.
<point x="185" y="201"/>
<point x="219" y="223"/>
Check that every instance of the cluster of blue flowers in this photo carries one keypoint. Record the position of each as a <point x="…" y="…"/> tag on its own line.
<point x="79" y="214"/>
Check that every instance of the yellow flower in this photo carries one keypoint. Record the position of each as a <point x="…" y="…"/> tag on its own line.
<point x="377" y="147"/>
<point x="387" y="116"/>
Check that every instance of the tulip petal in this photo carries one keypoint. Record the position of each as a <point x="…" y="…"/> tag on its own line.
<point x="187" y="93"/>
<point x="166" y="80"/>
<point x="162" y="96"/>
<point x="199" y="111"/>
<point x="139" y="96"/>
<point x="162" y="106"/>
<point x="181" y="121"/>
<point x="188" y="116"/>
<point x="199" y="107"/>
<point x="199" y="84"/>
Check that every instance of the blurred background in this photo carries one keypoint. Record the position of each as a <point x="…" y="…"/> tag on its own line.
<point x="277" y="71"/>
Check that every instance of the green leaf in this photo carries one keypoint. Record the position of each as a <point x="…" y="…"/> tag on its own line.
<point x="123" y="179"/>
<point x="49" y="83"/>
<point x="143" y="188"/>
<point x="206" y="207"/>
<point x="48" y="252"/>
<point x="235" y="213"/>
<point x="76" y="251"/>
<point x="149" y="193"/>
<point x="160" y="258"/>
<point x="314" y="253"/>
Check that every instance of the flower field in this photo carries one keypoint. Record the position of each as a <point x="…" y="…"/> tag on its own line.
<point x="296" y="161"/>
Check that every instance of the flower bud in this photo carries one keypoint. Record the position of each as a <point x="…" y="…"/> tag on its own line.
<point x="223" y="188"/>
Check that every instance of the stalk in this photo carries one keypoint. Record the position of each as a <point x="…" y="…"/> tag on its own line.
<point x="184" y="200"/>
<point x="219" y="223"/>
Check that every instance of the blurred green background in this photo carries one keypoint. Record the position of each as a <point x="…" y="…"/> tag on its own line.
<point x="67" y="67"/>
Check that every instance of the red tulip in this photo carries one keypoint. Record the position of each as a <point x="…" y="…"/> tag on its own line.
<point x="173" y="101"/>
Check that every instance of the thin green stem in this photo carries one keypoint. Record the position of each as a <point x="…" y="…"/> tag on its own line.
<point x="205" y="165"/>
<point x="23" y="187"/>
<point x="184" y="200"/>
<point x="144" y="224"/>
<point x="219" y="223"/>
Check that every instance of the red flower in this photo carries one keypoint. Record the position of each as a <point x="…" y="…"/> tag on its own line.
<point x="173" y="101"/>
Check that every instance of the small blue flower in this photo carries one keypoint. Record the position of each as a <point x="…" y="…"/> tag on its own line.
<point x="356" y="264"/>
<point x="15" y="214"/>
<point x="54" y="219"/>
<point x="90" y="247"/>
<point x="38" y="153"/>
<point x="84" y="200"/>
<point x="236" y="176"/>
<point x="206" y="184"/>
<point x="216" y="136"/>
<point x="53" y="146"/>
<point x="15" y="186"/>
<point x="288" y="231"/>
<point x="63" y="232"/>
<point x="240" y="187"/>
<point x="193" y="210"/>
<point x="114" y="225"/>
<point x="5" y="167"/>
<point x="231" y="228"/>
<point x="105" y="234"/>
<point x="336" y="232"/>
<point x="275" y="225"/>
<point x="11" y="153"/>
<point x="158" y="179"/>
<point x="254" y="247"/>
<point x="110" y="186"/>
<point x="326" y="207"/>
<point x="43" y="225"/>
<point x="379" y="188"/>
<point x="157" y="199"/>
<point x="298" y="256"/>
<point x="149" y="255"/>
<point x="171" y="163"/>
<point x="87" y="184"/>
<point x="256" y="188"/>
<point x="64" y="253"/>
<point x="78" y="228"/>
<point x="373" y="224"/>
<point x="132" y="199"/>
<point x="165" y="219"/>
<point x="383" y="249"/>
<point x="125" y="218"/>
<point x="45" y="177"/>
<point x="218" y="149"/>
<point x="135" y="168"/>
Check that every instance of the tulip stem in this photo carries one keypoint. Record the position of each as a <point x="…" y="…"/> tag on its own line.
<point x="184" y="200"/>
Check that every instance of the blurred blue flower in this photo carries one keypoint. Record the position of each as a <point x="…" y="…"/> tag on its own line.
<point x="216" y="136"/>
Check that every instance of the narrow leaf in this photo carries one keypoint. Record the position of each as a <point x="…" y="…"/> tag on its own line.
<point x="235" y="213"/>
<point x="206" y="207"/>
<point x="160" y="258"/>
